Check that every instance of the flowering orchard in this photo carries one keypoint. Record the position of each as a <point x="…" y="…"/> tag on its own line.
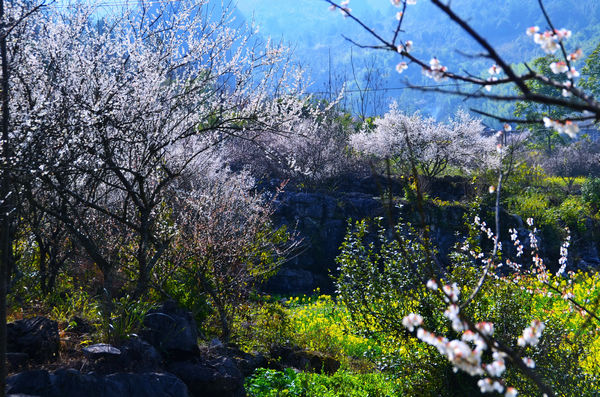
<point x="108" y="114"/>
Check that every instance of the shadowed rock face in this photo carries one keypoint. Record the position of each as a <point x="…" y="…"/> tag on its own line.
<point x="215" y="378"/>
<point x="37" y="337"/>
<point x="174" y="368"/>
<point x="172" y="331"/>
<point x="72" y="383"/>
<point x="321" y="220"/>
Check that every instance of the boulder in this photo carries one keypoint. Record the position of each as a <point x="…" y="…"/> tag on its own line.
<point x="139" y="355"/>
<point x="214" y="378"/>
<point x="245" y="362"/>
<point x="101" y="350"/>
<point x="313" y="362"/>
<point x="72" y="383"/>
<point x="37" y="336"/>
<point x="36" y="383"/>
<point x="172" y="331"/>
<point x="248" y="363"/>
<point x="305" y="360"/>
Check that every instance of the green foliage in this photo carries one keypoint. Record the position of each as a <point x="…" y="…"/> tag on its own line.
<point x="541" y="137"/>
<point x="523" y="177"/>
<point x="591" y="72"/>
<point x="259" y="326"/>
<point x="533" y="205"/>
<point x="78" y="303"/>
<point x="126" y="319"/>
<point x="374" y="276"/>
<point x="323" y="325"/>
<point x="590" y="192"/>
<point x="573" y="212"/>
<point x="271" y="383"/>
<point x="377" y="299"/>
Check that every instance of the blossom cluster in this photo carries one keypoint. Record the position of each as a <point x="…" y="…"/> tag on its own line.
<point x="567" y="127"/>
<point x="466" y="353"/>
<point x="549" y="40"/>
<point x="436" y="70"/>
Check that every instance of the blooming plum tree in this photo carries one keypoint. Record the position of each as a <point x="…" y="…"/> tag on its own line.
<point x="110" y="112"/>
<point x="431" y="145"/>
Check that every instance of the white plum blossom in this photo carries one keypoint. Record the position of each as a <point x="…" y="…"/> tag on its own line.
<point x="547" y="40"/>
<point x="464" y="358"/>
<point x="406" y="47"/>
<point x="511" y="392"/>
<point x="434" y="145"/>
<point x="495" y="70"/>
<point x="575" y="55"/>
<point x="488" y="385"/>
<point x="435" y="70"/>
<point x="412" y="321"/>
<point x="496" y="368"/>
<point x="572" y="73"/>
<point x="432" y="285"/>
<point x="532" y="334"/>
<point x="532" y="30"/>
<point x="451" y="292"/>
<point x="568" y="127"/>
<point x="559" y="67"/>
<point x="401" y="67"/>
<point x="529" y="362"/>
<point x="485" y="327"/>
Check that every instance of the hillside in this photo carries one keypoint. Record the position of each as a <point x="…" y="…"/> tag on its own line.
<point x="316" y="36"/>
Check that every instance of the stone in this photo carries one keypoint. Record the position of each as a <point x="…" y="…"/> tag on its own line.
<point x="313" y="362"/>
<point x="72" y="383"/>
<point x="247" y="362"/>
<point x="139" y="355"/>
<point x="172" y="331"/>
<point x="16" y="360"/>
<point x="37" y="336"/>
<point x="214" y="378"/>
<point x="80" y="325"/>
<point x="35" y="383"/>
<point x="305" y="360"/>
<point x="101" y="350"/>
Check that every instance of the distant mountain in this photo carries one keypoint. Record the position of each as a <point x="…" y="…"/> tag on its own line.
<point x="316" y="35"/>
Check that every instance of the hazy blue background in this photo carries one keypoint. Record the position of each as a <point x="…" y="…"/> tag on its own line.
<point x="316" y="36"/>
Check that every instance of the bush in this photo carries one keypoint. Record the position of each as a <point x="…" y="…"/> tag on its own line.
<point x="271" y="383"/>
<point x="590" y="192"/>
<point x="382" y="289"/>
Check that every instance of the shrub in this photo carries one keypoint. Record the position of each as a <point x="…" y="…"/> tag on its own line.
<point x="373" y="280"/>
<point x="590" y="192"/>
<point x="271" y="383"/>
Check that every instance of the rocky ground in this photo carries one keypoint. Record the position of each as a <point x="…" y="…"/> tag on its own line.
<point x="163" y="361"/>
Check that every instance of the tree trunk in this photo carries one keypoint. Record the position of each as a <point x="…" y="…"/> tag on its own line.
<point x="142" y="257"/>
<point x="6" y="213"/>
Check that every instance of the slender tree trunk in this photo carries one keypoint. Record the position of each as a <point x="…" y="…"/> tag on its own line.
<point x="6" y="213"/>
<point x="142" y="258"/>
